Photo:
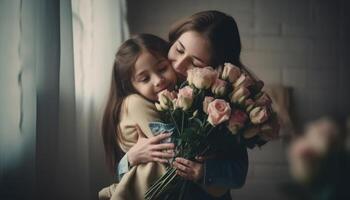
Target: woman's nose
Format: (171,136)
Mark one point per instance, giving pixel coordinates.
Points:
(180,65)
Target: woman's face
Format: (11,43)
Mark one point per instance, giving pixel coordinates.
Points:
(190,50)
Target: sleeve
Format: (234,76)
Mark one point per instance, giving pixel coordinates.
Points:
(123,167)
(230,173)
(142,112)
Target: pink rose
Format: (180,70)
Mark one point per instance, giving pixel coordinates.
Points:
(218,111)
(236,121)
(185,98)
(201,78)
(219,87)
(165,99)
(206,102)
(263,99)
(230,72)
(258,115)
(239,95)
(243,81)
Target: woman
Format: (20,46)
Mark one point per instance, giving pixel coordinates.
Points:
(206,38)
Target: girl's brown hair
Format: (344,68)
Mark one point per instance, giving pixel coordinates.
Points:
(222,33)
(121,87)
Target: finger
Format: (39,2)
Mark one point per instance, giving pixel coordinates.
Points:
(182,167)
(160,160)
(164,146)
(159,138)
(185,175)
(140,132)
(200,158)
(184,161)
(160,154)
(182,174)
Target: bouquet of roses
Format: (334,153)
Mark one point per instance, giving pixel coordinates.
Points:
(208,112)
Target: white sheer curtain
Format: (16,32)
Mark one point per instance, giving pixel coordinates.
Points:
(56,61)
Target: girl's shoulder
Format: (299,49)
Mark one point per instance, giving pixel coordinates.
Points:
(136,102)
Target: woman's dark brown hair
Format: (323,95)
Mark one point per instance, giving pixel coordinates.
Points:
(221,31)
(121,87)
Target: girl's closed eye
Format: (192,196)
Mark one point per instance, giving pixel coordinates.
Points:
(143,79)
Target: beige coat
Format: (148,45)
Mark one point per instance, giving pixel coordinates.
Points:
(135,111)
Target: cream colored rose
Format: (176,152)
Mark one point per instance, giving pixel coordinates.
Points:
(230,72)
(201,78)
(165,99)
(258,115)
(240,95)
(219,87)
(185,98)
(243,81)
(218,111)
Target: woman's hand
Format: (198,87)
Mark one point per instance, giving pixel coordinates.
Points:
(190,170)
(150,150)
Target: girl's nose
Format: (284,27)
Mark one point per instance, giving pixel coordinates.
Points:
(159,80)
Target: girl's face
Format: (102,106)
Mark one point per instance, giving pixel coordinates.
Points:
(152,75)
(190,50)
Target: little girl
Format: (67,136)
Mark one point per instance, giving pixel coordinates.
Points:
(141,70)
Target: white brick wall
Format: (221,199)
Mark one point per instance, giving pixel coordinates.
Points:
(303,44)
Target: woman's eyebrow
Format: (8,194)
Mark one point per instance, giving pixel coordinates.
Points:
(195,57)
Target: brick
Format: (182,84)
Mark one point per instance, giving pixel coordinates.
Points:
(283,44)
(247,43)
(271,10)
(322,102)
(258,59)
(294,77)
(319,78)
(297,30)
(267,28)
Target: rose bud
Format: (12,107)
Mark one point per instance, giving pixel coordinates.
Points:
(219,87)
(236,121)
(165,99)
(185,98)
(206,102)
(240,94)
(218,111)
(251,132)
(230,72)
(258,115)
(249,105)
(263,99)
(244,81)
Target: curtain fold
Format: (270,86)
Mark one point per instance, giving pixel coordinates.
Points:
(56,63)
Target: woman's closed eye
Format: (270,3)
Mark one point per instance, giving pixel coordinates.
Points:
(179,50)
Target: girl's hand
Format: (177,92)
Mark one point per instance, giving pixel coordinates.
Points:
(150,150)
(190,170)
